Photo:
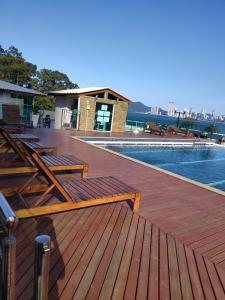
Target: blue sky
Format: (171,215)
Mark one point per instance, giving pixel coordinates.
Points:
(150,51)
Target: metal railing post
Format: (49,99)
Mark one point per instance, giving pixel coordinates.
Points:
(8,267)
(8,221)
(41,267)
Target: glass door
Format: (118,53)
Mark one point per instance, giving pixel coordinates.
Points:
(103,116)
(74,113)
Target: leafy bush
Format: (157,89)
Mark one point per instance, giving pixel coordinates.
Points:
(212,129)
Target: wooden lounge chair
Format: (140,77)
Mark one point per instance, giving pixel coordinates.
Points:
(153,128)
(11,129)
(28,137)
(73,194)
(11,115)
(55,162)
(175,130)
(7,143)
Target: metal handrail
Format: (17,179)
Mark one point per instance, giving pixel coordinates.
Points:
(8,250)
(7,215)
(41,266)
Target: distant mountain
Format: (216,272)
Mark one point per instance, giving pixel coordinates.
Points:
(138,107)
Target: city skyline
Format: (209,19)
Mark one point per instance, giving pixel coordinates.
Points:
(147,50)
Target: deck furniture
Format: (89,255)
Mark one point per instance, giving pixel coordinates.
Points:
(175,130)
(11,129)
(73,194)
(153,128)
(11,115)
(7,143)
(15,136)
(55,162)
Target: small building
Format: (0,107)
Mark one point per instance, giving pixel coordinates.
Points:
(90,109)
(15,94)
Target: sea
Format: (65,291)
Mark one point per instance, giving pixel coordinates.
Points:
(200,124)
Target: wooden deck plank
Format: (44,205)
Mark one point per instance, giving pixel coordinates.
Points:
(142,288)
(218,288)
(120,284)
(73,258)
(97,282)
(85,271)
(59,244)
(110,278)
(193,271)
(164,268)
(175,285)
(205,280)
(184,273)
(132,279)
(153,292)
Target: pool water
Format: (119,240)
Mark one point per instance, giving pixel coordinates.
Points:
(206,165)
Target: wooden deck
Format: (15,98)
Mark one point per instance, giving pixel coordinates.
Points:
(173,249)
(108,252)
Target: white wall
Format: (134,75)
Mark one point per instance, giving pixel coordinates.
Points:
(61,102)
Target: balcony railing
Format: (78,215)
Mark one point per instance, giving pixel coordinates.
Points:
(135,125)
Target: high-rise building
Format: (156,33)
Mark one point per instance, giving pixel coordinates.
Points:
(171,109)
(155,110)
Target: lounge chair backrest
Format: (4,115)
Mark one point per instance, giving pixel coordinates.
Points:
(13,145)
(153,126)
(173,127)
(45,171)
(11,113)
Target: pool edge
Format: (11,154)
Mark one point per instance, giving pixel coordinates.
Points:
(201,185)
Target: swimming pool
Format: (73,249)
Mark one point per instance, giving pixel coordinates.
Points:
(205,164)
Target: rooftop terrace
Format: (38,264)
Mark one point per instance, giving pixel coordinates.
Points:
(174,248)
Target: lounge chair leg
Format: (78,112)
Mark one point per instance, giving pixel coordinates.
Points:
(136,202)
(84,172)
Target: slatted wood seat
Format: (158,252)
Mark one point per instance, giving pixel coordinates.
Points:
(54,162)
(40,147)
(4,145)
(28,137)
(12,129)
(76,193)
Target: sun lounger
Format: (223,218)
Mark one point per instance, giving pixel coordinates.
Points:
(23,136)
(73,194)
(8,144)
(175,130)
(11,129)
(55,162)
(153,128)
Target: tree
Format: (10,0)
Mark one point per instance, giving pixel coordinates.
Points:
(14,68)
(48,80)
(212,129)
(46,103)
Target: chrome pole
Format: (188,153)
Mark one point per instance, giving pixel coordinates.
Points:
(8,267)
(41,267)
